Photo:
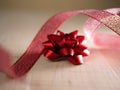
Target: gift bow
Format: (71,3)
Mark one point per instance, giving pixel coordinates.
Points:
(69,46)
(107,17)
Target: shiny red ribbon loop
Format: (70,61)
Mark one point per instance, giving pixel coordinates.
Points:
(65,45)
(62,44)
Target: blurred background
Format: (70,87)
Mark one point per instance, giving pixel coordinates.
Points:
(56,5)
(20,20)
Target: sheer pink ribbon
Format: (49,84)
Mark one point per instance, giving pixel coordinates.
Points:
(107,17)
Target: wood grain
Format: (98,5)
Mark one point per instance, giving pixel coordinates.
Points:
(100,71)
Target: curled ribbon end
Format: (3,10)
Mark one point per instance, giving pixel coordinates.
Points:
(69,46)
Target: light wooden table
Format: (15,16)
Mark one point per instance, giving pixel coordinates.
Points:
(101,70)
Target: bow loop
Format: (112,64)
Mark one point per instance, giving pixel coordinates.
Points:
(67,52)
(76,60)
(80,39)
(73,34)
(48,44)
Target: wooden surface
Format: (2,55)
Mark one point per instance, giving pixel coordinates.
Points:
(101,70)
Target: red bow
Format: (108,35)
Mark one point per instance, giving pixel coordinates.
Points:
(69,46)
